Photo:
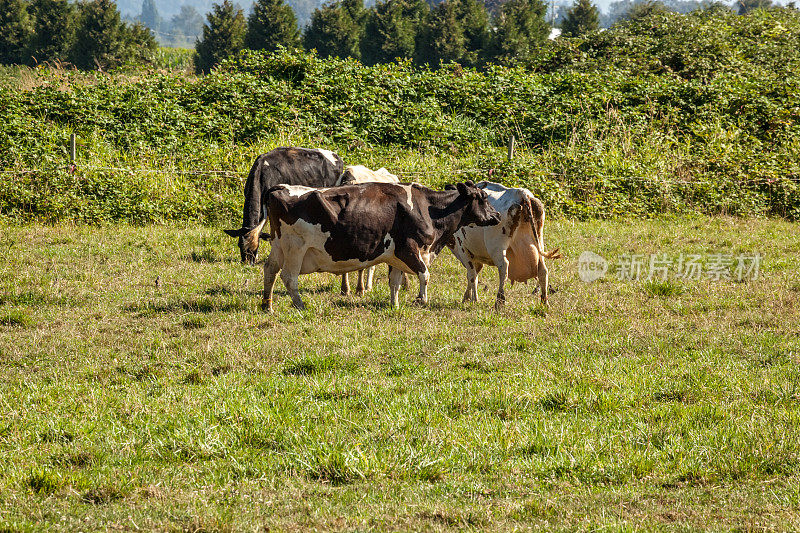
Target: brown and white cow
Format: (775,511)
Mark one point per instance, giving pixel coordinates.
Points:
(515,246)
(285,165)
(353,175)
(348,228)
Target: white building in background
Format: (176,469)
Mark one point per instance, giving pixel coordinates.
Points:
(554,32)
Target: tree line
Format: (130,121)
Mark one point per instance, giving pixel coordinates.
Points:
(462,31)
(88,34)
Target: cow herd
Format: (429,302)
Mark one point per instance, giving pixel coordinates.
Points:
(323,217)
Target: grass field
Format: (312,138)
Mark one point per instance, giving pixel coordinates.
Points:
(141,388)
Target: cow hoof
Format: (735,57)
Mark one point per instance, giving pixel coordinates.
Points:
(420,302)
(499,304)
(266,306)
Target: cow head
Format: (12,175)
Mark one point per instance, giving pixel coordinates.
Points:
(479,211)
(248,241)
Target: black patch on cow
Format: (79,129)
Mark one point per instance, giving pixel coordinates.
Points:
(285,165)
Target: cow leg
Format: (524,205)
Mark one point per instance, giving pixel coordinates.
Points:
(395,278)
(422,297)
(271,269)
(289,275)
(345,285)
(405,281)
(370,274)
(542,275)
(502,270)
(360,284)
(471,294)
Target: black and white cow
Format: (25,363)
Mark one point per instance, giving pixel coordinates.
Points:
(291,166)
(352,227)
(353,175)
(515,246)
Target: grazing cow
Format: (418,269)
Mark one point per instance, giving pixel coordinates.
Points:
(515,246)
(353,175)
(291,166)
(352,227)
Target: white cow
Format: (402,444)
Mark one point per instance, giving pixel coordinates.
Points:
(515,246)
(361,174)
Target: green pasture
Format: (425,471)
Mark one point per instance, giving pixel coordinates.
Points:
(141,388)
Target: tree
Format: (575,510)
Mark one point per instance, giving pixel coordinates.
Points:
(391,30)
(440,38)
(336,29)
(98,35)
(520,30)
(648,8)
(16,31)
(474,21)
(223,36)
(149,15)
(53,29)
(746,6)
(186,26)
(582,18)
(271,24)
(455,30)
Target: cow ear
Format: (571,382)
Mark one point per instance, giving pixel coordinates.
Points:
(462,189)
(236,232)
(449,187)
(469,183)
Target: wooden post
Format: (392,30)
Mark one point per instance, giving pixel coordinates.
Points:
(73,150)
(511,148)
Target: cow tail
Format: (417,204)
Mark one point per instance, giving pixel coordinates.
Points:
(552,254)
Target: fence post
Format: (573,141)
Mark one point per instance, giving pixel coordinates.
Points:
(511,141)
(73,150)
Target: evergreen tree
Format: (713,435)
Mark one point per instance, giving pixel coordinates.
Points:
(271,24)
(138,43)
(53,29)
(474,20)
(186,26)
(646,9)
(98,35)
(150,16)
(16,31)
(746,6)
(520,28)
(391,30)
(455,30)
(223,36)
(582,18)
(336,29)
(440,38)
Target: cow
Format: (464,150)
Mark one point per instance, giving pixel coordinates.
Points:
(515,246)
(347,228)
(360,174)
(285,165)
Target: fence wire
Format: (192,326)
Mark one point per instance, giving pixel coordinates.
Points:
(489,172)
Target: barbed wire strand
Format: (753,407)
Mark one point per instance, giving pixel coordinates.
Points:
(409,174)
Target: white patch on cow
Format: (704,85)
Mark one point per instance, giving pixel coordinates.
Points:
(299,190)
(328,155)
(266,163)
(407,188)
(360,174)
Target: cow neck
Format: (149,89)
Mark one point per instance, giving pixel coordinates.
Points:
(251,214)
(446,211)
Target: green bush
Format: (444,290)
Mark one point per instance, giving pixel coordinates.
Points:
(664,113)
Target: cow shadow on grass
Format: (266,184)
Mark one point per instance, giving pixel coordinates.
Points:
(381,304)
